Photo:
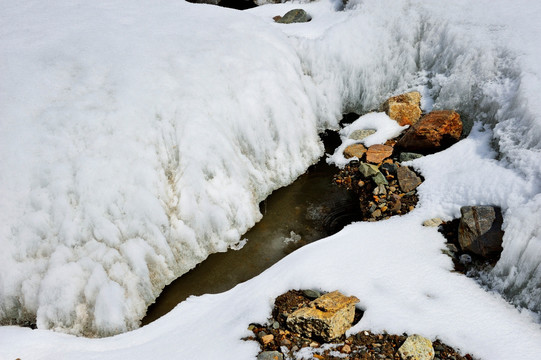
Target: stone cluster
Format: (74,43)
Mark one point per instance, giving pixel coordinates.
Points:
(384,189)
(279,342)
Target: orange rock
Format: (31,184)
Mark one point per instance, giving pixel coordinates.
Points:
(377,153)
(404,109)
(355,150)
(433,132)
(267,339)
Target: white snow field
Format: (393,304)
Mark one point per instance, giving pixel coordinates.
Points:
(137,137)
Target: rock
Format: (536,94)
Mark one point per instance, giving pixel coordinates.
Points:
(433,132)
(311,294)
(377,153)
(379,179)
(390,168)
(361,134)
(407,179)
(394,203)
(294,16)
(355,150)
(435,222)
(270,355)
(407,156)
(327,317)
(480,230)
(376,213)
(380,190)
(346,349)
(416,347)
(368,170)
(266,339)
(404,109)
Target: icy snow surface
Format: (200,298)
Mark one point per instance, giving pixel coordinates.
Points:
(137,137)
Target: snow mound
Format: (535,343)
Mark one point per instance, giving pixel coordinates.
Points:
(131,147)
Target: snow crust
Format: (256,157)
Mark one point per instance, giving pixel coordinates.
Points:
(138,137)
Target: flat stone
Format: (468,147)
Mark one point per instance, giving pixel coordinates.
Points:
(407,156)
(270,355)
(416,347)
(294,16)
(368,170)
(480,230)
(379,179)
(355,150)
(361,134)
(377,153)
(407,179)
(404,109)
(433,132)
(327,317)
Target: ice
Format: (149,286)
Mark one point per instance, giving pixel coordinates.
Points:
(138,137)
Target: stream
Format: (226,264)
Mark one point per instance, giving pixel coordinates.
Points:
(309,209)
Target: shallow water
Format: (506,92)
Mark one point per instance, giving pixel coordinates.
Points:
(309,209)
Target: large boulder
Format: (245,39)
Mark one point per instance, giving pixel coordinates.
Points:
(327,317)
(294,16)
(416,347)
(480,230)
(433,132)
(404,109)
(377,153)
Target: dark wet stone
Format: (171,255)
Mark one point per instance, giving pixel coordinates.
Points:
(294,16)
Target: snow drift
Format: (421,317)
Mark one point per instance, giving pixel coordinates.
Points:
(138,137)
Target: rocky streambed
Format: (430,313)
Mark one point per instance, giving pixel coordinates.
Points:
(306,324)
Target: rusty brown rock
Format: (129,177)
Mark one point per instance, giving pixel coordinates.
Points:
(404,109)
(327,317)
(434,131)
(355,150)
(377,153)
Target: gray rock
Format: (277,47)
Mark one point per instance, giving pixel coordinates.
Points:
(407,179)
(480,230)
(372,171)
(311,294)
(380,179)
(368,170)
(294,16)
(390,168)
(361,134)
(407,156)
(270,355)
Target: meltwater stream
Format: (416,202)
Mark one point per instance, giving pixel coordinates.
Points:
(309,209)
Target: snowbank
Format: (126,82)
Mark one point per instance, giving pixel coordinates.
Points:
(136,138)
(132,146)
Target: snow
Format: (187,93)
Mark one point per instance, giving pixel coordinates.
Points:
(385,127)
(138,137)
